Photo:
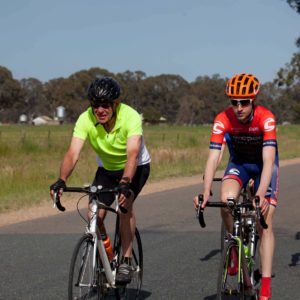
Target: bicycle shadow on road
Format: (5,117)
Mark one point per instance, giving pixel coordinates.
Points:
(212,297)
(210,255)
(295,258)
(143,294)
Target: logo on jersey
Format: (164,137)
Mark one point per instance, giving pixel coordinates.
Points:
(234,171)
(218,127)
(253,129)
(269,124)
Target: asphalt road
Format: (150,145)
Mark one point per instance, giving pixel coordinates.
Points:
(181,259)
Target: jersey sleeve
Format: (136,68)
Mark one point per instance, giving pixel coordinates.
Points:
(218,132)
(134,124)
(80,129)
(268,125)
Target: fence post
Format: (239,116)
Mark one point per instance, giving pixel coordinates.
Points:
(23,138)
(48,138)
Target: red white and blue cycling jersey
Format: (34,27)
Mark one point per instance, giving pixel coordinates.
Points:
(245,143)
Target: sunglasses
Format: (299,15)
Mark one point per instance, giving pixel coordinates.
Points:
(104,105)
(242,103)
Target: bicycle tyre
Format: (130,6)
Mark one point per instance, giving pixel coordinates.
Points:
(223,236)
(229,286)
(254,271)
(84,281)
(132,289)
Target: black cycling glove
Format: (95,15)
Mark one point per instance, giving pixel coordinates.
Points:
(59,184)
(124,188)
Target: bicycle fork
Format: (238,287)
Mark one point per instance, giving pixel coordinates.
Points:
(100,246)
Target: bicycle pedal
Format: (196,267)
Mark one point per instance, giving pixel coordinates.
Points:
(250,292)
(230,292)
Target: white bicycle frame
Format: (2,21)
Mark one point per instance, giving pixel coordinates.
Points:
(92,229)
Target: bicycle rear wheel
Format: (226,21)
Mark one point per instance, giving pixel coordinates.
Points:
(230,282)
(132,289)
(85,281)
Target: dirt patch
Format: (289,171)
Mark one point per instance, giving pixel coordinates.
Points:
(45,209)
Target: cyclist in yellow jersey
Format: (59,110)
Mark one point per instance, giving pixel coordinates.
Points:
(114,131)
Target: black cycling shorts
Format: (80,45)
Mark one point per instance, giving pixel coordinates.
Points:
(111,179)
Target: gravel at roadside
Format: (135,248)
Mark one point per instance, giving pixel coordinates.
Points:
(45,209)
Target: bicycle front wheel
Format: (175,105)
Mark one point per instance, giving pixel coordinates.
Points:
(230,278)
(132,289)
(223,236)
(86,278)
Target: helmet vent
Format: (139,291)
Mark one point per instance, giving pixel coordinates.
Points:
(242,85)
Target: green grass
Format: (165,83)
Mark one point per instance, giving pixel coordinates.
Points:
(30,157)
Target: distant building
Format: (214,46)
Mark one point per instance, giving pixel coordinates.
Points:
(162,120)
(44,120)
(23,119)
(60,114)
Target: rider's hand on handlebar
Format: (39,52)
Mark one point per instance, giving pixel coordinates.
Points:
(124,188)
(205,199)
(196,201)
(263,204)
(125,199)
(57,186)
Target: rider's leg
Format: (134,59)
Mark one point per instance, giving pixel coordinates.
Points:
(267,243)
(267,246)
(100,221)
(128,221)
(267,239)
(229,188)
(127,229)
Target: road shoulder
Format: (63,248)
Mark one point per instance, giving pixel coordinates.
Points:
(45,209)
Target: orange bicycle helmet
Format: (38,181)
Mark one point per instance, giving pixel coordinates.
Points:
(242,86)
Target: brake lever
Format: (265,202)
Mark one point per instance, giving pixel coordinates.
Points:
(200,211)
(259,213)
(57,203)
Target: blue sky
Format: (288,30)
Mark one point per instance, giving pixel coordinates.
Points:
(48,39)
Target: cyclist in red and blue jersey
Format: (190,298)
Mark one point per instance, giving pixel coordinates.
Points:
(250,133)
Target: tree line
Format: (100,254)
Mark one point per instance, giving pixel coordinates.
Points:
(168,96)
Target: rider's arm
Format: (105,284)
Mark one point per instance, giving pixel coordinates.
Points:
(71,157)
(133,150)
(221,153)
(268,154)
(210,170)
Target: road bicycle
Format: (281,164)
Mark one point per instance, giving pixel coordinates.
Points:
(92,274)
(239,274)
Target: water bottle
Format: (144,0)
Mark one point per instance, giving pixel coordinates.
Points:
(247,251)
(107,246)
(249,259)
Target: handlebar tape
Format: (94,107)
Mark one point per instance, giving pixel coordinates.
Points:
(200,211)
(57,203)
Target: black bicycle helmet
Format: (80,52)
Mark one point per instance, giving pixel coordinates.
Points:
(104,89)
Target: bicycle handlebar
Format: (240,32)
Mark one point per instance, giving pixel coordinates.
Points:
(89,190)
(231,204)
